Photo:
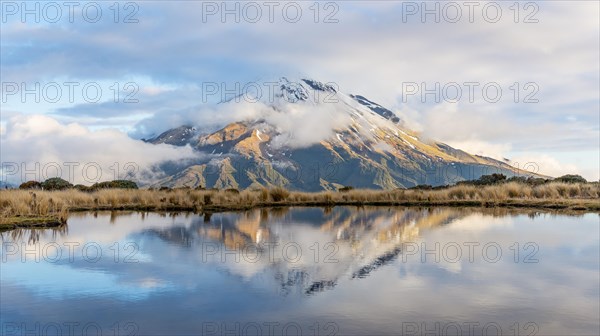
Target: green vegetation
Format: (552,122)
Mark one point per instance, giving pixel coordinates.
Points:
(488,180)
(9,223)
(82,187)
(571,179)
(116,184)
(345,189)
(497,179)
(56,183)
(30,185)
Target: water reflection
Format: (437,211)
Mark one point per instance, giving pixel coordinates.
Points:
(32,235)
(306,251)
(366,269)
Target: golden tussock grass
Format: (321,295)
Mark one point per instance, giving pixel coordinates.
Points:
(15,203)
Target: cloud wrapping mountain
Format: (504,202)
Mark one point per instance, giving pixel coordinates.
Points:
(37,147)
(297,141)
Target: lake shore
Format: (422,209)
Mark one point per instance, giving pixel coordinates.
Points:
(37,208)
(10,223)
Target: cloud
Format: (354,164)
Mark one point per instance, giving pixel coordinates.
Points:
(298,124)
(557,166)
(547,165)
(302,125)
(478,147)
(37,147)
(369,51)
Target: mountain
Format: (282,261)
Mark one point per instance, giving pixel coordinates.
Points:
(309,136)
(179,136)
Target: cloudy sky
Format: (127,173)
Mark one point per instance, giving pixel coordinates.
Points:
(82,82)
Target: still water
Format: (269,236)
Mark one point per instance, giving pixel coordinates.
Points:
(308,271)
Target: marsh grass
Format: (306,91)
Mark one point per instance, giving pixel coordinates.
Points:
(57,204)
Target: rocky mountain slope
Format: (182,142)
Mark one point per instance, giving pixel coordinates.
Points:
(367,146)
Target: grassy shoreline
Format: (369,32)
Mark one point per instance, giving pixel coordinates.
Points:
(30,208)
(10,223)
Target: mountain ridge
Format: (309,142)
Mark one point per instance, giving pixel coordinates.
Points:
(363,145)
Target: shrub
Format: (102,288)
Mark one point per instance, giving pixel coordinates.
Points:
(83,188)
(491,179)
(232,190)
(430,187)
(535,181)
(421,187)
(116,184)
(31,185)
(345,189)
(570,178)
(278,194)
(124,184)
(518,179)
(56,183)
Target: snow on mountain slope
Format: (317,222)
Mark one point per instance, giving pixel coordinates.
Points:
(308,135)
(179,136)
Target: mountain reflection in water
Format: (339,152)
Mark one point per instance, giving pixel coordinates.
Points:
(306,251)
(355,267)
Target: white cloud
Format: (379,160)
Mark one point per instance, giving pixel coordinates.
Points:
(549,165)
(106,154)
(303,125)
(478,147)
(298,124)
(370,51)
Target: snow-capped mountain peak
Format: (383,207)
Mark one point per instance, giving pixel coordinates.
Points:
(305,124)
